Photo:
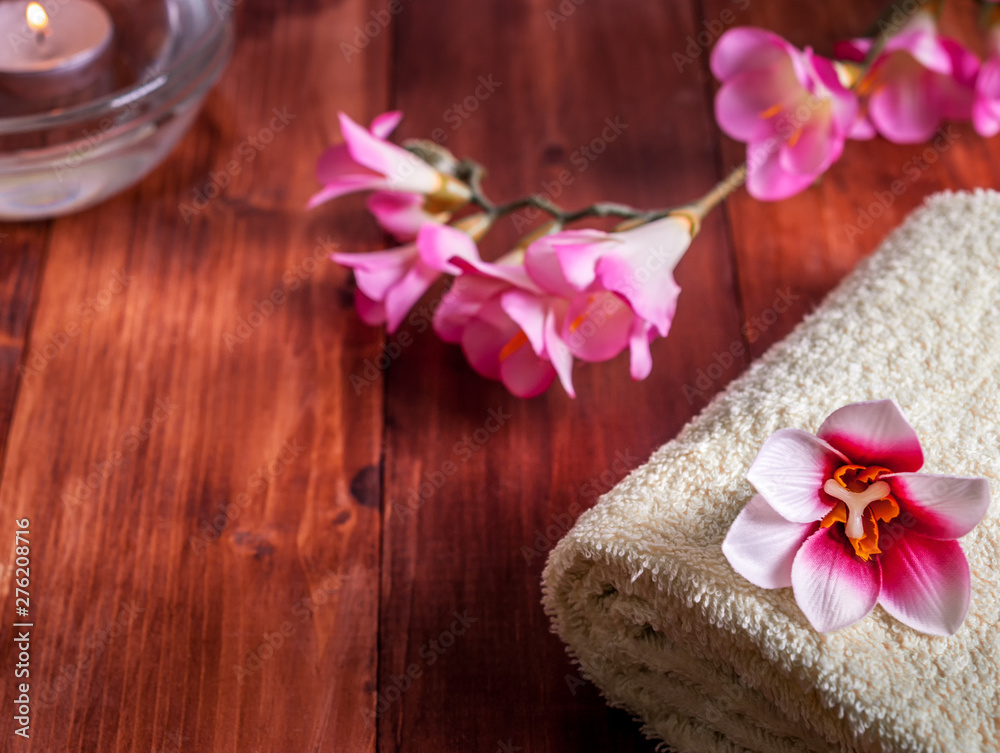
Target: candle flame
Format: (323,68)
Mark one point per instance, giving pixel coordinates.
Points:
(38,19)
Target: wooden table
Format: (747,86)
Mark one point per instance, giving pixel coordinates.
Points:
(216,455)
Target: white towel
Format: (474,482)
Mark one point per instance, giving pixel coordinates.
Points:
(652,611)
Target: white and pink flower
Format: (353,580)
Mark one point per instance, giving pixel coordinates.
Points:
(788,105)
(620,286)
(844,518)
(389,283)
(919,80)
(507,326)
(366,161)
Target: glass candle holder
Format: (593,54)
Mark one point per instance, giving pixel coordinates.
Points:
(63,150)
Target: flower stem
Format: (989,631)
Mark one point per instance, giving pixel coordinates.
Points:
(723,188)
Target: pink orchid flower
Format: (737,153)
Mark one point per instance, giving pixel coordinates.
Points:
(789,106)
(620,286)
(845,520)
(391,282)
(509,329)
(367,162)
(986,109)
(918,81)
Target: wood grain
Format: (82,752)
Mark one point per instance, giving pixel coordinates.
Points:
(258,524)
(215,586)
(473,507)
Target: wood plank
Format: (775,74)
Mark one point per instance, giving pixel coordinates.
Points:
(477,544)
(214,588)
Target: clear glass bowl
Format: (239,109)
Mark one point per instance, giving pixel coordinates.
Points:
(70,154)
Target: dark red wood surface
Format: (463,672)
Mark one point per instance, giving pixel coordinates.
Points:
(238,548)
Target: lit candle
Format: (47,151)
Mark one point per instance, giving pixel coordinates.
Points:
(54,56)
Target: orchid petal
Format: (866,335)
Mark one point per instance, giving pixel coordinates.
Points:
(944,507)
(790,471)
(761,545)
(833,587)
(926,584)
(874,433)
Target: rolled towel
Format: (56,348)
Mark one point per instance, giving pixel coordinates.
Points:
(656,617)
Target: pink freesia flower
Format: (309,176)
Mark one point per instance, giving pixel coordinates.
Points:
(788,106)
(403,214)
(620,286)
(391,282)
(366,162)
(845,520)
(509,329)
(986,109)
(919,80)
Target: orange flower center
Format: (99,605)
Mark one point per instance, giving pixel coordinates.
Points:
(863,502)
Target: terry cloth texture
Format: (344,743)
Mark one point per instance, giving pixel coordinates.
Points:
(652,611)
